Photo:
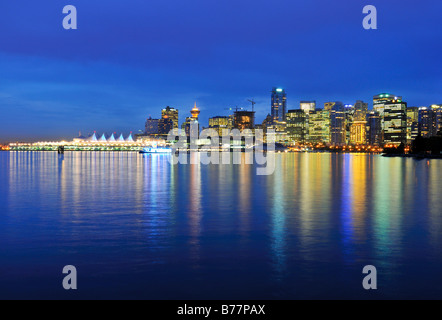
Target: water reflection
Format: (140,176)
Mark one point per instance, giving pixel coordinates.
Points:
(315,221)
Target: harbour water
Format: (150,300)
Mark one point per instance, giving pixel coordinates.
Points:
(136,226)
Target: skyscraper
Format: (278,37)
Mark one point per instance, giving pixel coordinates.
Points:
(337,124)
(172,114)
(374,136)
(165,125)
(244,120)
(308,106)
(412,123)
(151,127)
(395,122)
(430,120)
(279,104)
(379,102)
(220,123)
(319,126)
(296,125)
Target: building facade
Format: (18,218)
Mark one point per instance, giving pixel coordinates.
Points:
(279,104)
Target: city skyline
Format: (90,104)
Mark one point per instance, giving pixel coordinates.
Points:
(119,66)
(224,112)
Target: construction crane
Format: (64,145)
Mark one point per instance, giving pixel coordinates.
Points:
(253,104)
(235,108)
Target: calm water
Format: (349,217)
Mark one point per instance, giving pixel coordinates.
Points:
(138,227)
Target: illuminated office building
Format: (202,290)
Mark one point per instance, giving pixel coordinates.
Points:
(220,123)
(329,105)
(319,127)
(172,114)
(374,127)
(244,120)
(279,104)
(430,120)
(297,125)
(308,106)
(379,102)
(361,106)
(165,125)
(412,123)
(337,124)
(395,122)
(151,127)
(358,127)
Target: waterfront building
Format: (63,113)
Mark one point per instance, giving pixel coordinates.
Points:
(319,127)
(165,125)
(244,120)
(412,123)
(430,120)
(337,124)
(111,138)
(279,104)
(171,113)
(395,122)
(307,106)
(151,127)
(220,123)
(280,130)
(379,102)
(297,125)
(361,106)
(374,127)
(328,106)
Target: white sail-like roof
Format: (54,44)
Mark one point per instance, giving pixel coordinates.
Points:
(112,138)
(92,138)
(103,138)
(130,139)
(121,138)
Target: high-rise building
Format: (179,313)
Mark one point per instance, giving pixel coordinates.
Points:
(297,125)
(337,124)
(172,114)
(319,127)
(328,106)
(358,127)
(279,104)
(374,134)
(361,106)
(165,125)
(151,127)
(379,102)
(220,123)
(244,120)
(412,123)
(430,120)
(395,122)
(308,106)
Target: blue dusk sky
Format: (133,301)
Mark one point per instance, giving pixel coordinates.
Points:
(129,59)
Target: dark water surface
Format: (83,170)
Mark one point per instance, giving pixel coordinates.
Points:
(138,227)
